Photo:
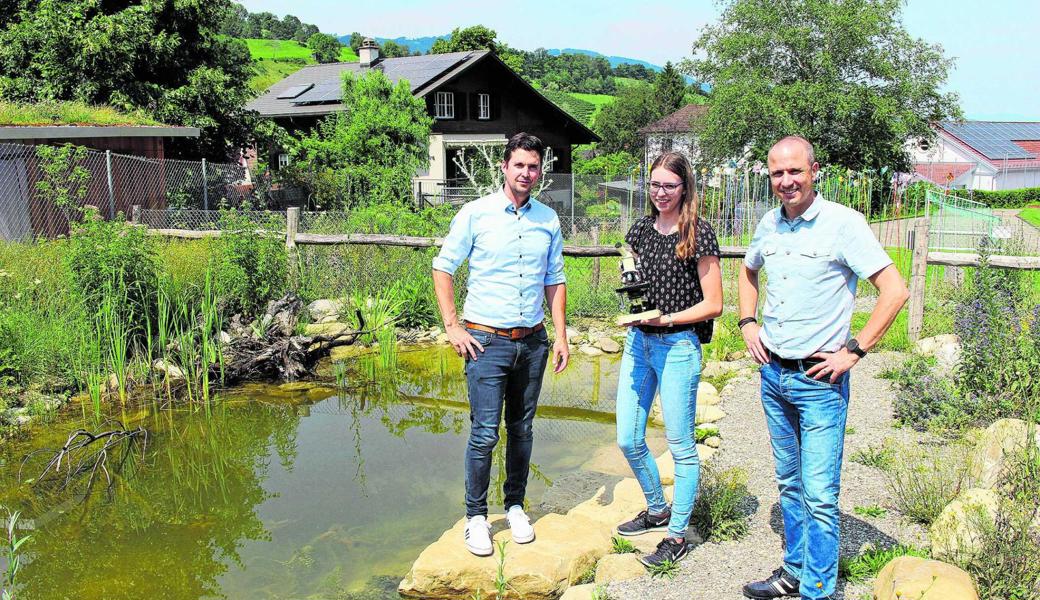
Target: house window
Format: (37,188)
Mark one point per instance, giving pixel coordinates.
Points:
(666,144)
(484,106)
(444,107)
(283,161)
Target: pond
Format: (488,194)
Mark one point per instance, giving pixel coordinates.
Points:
(285,492)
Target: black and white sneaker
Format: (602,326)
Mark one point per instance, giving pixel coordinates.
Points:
(668,550)
(645,522)
(778,585)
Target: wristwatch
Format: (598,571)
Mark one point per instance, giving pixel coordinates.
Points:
(853,347)
(668,319)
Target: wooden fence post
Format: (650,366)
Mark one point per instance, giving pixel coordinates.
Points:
(292,225)
(135,215)
(918,278)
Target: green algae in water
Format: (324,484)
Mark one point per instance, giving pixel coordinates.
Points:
(290,492)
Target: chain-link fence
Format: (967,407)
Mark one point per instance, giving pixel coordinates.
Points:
(41,189)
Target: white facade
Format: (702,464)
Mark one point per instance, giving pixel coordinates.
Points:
(982,174)
(659,143)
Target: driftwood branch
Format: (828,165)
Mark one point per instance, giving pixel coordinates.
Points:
(86,454)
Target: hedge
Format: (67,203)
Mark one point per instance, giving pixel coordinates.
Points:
(1008,198)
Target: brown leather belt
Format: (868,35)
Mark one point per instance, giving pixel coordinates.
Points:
(515,333)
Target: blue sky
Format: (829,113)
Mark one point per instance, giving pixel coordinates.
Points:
(995,44)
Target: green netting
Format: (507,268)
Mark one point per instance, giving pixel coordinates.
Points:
(958,224)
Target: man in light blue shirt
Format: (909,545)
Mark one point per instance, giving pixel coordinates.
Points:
(814,252)
(515,250)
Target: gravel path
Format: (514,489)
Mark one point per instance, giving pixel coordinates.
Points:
(717,571)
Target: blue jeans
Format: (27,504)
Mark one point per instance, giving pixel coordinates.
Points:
(508,373)
(806,421)
(671,363)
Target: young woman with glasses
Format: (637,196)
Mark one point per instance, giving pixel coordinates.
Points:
(679,256)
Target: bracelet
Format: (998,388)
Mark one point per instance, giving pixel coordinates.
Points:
(671,320)
(741,323)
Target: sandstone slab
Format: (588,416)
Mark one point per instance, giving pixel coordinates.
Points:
(999,443)
(619,567)
(608,345)
(959,529)
(909,577)
(589,350)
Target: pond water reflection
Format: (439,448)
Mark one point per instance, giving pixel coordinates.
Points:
(288,492)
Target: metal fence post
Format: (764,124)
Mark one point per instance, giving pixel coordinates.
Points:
(111,190)
(573,227)
(205,187)
(135,214)
(918,278)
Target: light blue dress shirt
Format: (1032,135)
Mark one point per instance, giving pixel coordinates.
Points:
(512,256)
(812,263)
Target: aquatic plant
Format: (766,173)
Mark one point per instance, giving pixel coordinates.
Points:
(12,545)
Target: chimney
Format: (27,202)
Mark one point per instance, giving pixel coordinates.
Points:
(368,53)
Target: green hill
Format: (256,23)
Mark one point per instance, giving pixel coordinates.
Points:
(277,59)
(582,107)
(288,50)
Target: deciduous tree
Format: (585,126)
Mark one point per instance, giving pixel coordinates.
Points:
(370,151)
(161,56)
(324,47)
(844,74)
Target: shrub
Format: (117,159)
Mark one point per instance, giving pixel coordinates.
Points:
(251,267)
(1007,198)
(924,479)
(870,562)
(113,256)
(718,514)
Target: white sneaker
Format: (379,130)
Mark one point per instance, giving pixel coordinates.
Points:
(519,524)
(478,536)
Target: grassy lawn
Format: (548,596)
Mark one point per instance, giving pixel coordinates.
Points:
(1031,215)
(69,113)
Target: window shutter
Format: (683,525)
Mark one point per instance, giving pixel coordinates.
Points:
(474,106)
(430,108)
(461,106)
(496,107)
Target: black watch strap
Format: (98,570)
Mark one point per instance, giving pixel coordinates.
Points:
(853,346)
(741,323)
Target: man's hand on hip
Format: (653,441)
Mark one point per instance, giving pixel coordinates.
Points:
(561,355)
(834,364)
(754,343)
(463,342)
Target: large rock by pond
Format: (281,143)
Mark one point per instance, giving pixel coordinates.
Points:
(929,346)
(579,592)
(619,567)
(326,310)
(958,531)
(608,345)
(1000,443)
(914,578)
(565,547)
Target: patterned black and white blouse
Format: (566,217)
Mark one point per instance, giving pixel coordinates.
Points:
(674,283)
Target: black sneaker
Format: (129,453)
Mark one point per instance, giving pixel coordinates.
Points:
(778,585)
(645,522)
(667,550)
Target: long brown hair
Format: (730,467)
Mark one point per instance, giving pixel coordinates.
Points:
(677,164)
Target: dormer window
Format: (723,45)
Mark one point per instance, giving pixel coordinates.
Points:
(484,106)
(444,105)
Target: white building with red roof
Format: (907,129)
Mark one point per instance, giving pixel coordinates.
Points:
(981,155)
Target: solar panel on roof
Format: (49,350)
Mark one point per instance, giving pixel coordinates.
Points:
(996,140)
(295,91)
(325,91)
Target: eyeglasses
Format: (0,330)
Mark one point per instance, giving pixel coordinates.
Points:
(656,186)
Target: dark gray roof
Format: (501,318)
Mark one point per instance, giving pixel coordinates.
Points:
(995,139)
(421,72)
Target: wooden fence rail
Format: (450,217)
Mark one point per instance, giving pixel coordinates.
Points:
(918,270)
